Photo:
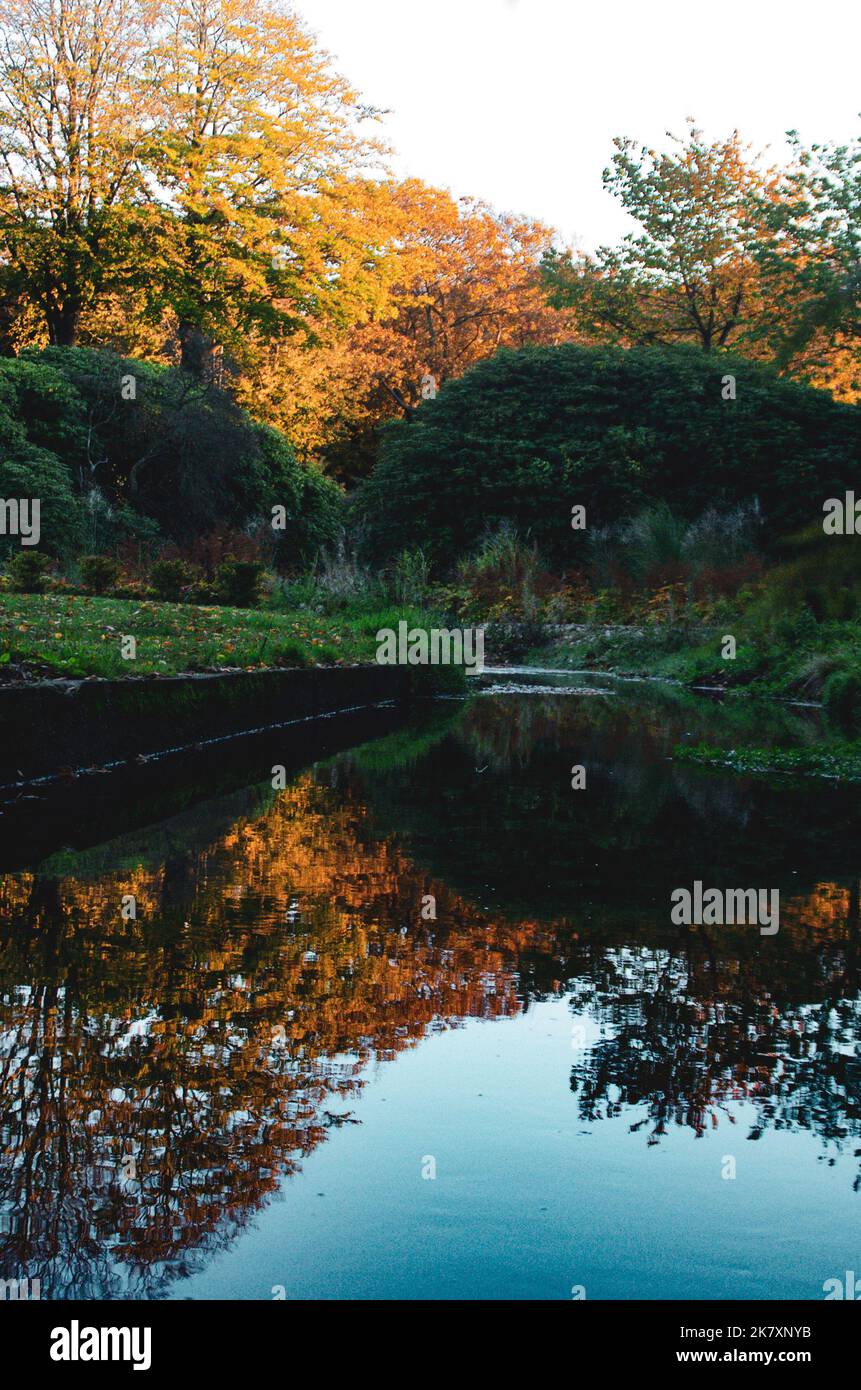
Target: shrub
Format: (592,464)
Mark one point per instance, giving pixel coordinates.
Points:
(606,607)
(341,578)
(201,592)
(168,578)
(796,628)
(313,504)
(28,570)
(238,583)
(115,526)
(289,594)
(185,461)
(717,540)
(567,604)
(509,642)
(99,573)
(33,473)
(841,696)
(715,553)
(225,543)
(526,434)
(652,543)
(505,577)
(409,576)
(136,589)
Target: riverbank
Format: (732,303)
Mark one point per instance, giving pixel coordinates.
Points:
(796,664)
(691,655)
(795,671)
(59,728)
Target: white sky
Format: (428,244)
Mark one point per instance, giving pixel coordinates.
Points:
(517,101)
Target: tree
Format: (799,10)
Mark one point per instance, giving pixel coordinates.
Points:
(254,155)
(691,273)
(460,281)
(194,166)
(814,263)
(73,112)
(181,453)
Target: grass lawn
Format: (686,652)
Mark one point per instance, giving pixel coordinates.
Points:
(64,635)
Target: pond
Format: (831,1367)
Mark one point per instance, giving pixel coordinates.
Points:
(419,1024)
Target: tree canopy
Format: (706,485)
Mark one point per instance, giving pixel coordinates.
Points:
(191,186)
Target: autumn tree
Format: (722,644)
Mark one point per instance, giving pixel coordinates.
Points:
(461,282)
(197,164)
(813,262)
(73,114)
(257,146)
(690,272)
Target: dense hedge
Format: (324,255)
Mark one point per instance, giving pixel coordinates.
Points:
(119,448)
(528,434)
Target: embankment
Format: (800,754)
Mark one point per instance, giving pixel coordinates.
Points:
(53,727)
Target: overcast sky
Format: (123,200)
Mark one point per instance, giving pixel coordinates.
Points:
(517,101)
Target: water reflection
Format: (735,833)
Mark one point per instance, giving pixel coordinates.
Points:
(160,1076)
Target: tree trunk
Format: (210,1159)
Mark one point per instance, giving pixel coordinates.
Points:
(192,346)
(199,355)
(63,321)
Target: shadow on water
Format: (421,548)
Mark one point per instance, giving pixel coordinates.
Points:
(161,1074)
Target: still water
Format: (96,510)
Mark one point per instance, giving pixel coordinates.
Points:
(419,1025)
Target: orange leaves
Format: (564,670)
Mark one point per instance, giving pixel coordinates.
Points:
(458,282)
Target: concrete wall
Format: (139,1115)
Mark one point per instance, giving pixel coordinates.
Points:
(51,726)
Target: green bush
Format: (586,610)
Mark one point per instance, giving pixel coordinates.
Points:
(33,473)
(201,592)
(288,595)
(796,628)
(238,583)
(182,461)
(527,434)
(169,578)
(312,503)
(99,573)
(841,696)
(606,607)
(28,571)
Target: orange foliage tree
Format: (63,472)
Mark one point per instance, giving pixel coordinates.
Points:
(461,281)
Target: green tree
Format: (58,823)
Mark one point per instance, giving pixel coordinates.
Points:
(690,272)
(179,453)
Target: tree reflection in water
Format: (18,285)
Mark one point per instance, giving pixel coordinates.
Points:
(277,952)
(686,1033)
